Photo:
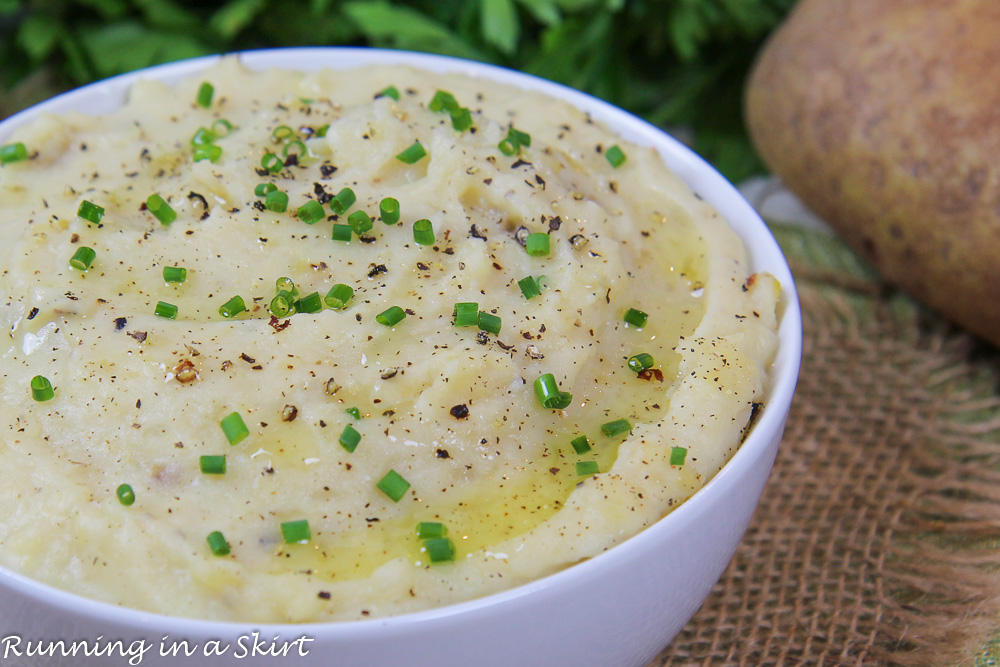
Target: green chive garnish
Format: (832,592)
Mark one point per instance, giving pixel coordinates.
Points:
(286,284)
(587,468)
(167,310)
(343,201)
(393,485)
(283,304)
(222,127)
(537,244)
(461,119)
(388,210)
(203,137)
(640,362)
(209,152)
(522,138)
(282,132)
(391,316)
(13,153)
(322,130)
(466,314)
(427,530)
(234,428)
(160,209)
(423,232)
(41,389)
(677,455)
(311,303)
(548,393)
(616,428)
(342,233)
(90,212)
(354,412)
(174,274)
(339,296)
(580,444)
(440,550)
(311,212)
(636,318)
(271,162)
(82,258)
(276,201)
(205,93)
(615,156)
(126,496)
(263,188)
(296,532)
(213,465)
(443,101)
(489,322)
(217,543)
(360,222)
(388,91)
(413,154)
(350,438)
(529,287)
(294,144)
(233,307)
(508,147)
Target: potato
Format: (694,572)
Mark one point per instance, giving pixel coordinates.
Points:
(884,117)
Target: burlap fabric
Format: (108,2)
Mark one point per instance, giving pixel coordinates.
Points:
(873,543)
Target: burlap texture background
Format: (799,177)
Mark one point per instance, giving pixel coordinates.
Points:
(874,540)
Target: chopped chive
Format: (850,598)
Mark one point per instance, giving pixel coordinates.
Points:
(82,258)
(209,152)
(427,530)
(443,101)
(276,201)
(283,304)
(294,144)
(322,130)
(587,468)
(529,287)
(489,322)
(677,455)
(537,244)
(205,93)
(311,212)
(388,91)
(580,444)
(360,222)
(41,389)
(342,233)
(413,154)
(391,316)
(440,550)
(217,543)
(466,314)
(126,496)
(13,153)
(461,119)
(167,310)
(286,284)
(354,412)
(233,307)
(388,210)
(350,438)
(522,138)
(263,188)
(339,296)
(549,395)
(311,303)
(271,162)
(615,156)
(393,485)
(222,127)
(507,147)
(282,132)
(343,201)
(640,362)
(160,209)
(543,283)
(616,428)
(296,532)
(423,232)
(203,137)
(90,212)
(174,274)
(213,465)
(234,428)
(635,318)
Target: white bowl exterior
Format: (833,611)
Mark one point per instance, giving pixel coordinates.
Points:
(619,608)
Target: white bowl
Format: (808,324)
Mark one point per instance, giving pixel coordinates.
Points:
(619,608)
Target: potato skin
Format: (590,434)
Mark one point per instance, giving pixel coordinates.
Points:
(884,117)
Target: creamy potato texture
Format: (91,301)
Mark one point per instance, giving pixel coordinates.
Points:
(138,397)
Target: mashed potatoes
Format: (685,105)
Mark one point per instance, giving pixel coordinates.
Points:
(359,427)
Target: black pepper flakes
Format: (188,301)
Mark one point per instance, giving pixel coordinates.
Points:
(377,269)
(442,454)
(460,412)
(34,312)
